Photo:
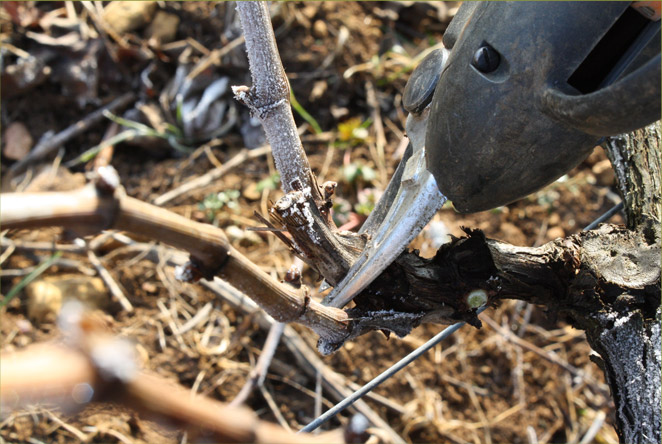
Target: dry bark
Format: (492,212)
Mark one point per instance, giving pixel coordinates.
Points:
(606,281)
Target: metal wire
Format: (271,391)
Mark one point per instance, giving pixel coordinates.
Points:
(342,405)
(606,216)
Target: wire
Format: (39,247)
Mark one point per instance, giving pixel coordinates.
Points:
(606,216)
(342,405)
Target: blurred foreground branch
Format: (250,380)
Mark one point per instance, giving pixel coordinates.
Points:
(95,366)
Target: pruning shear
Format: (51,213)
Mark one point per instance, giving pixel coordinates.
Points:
(520,95)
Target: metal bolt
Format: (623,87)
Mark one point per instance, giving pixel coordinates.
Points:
(423,81)
(486,59)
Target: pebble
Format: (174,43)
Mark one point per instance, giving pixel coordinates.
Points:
(24,326)
(149,287)
(554,219)
(511,233)
(128,16)
(555,233)
(163,28)
(319,29)
(251,192)
(604,173)
(46,296)
(16,141)
(62,179)
(244,237)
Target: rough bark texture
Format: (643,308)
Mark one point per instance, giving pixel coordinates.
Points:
(606,281)
(636,161)
(627,336)
(269,97)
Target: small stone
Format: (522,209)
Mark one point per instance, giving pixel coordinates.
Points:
(554,219)
(319,29)
(338,112)
(243,237)
(149,287)
(46,296)
(318,90)
(62,179)
(16,141)
(604,173)
(163,28)
(309,10)
(555,233)
(251,192)
(511,233)
(24,326)
(128,16)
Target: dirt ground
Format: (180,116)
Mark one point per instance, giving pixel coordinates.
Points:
(348,64)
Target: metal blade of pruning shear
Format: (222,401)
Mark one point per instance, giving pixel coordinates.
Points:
(415,203)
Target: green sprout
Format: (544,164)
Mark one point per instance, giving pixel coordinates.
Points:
(34,274)
(305,115)
(214,202)
(270,183)
(355,172)
(341,210)
(172,134)
(367,199)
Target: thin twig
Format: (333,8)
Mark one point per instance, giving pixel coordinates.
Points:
(595,427)
(200,316)
(380,139)
(259,373)
(307,359)
(212,175)
(214,57)
(105,155)
(82,437)
(384,376)
(549,356)
(274,408)
(110,282)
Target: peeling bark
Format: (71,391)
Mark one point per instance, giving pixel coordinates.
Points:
(304,210)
